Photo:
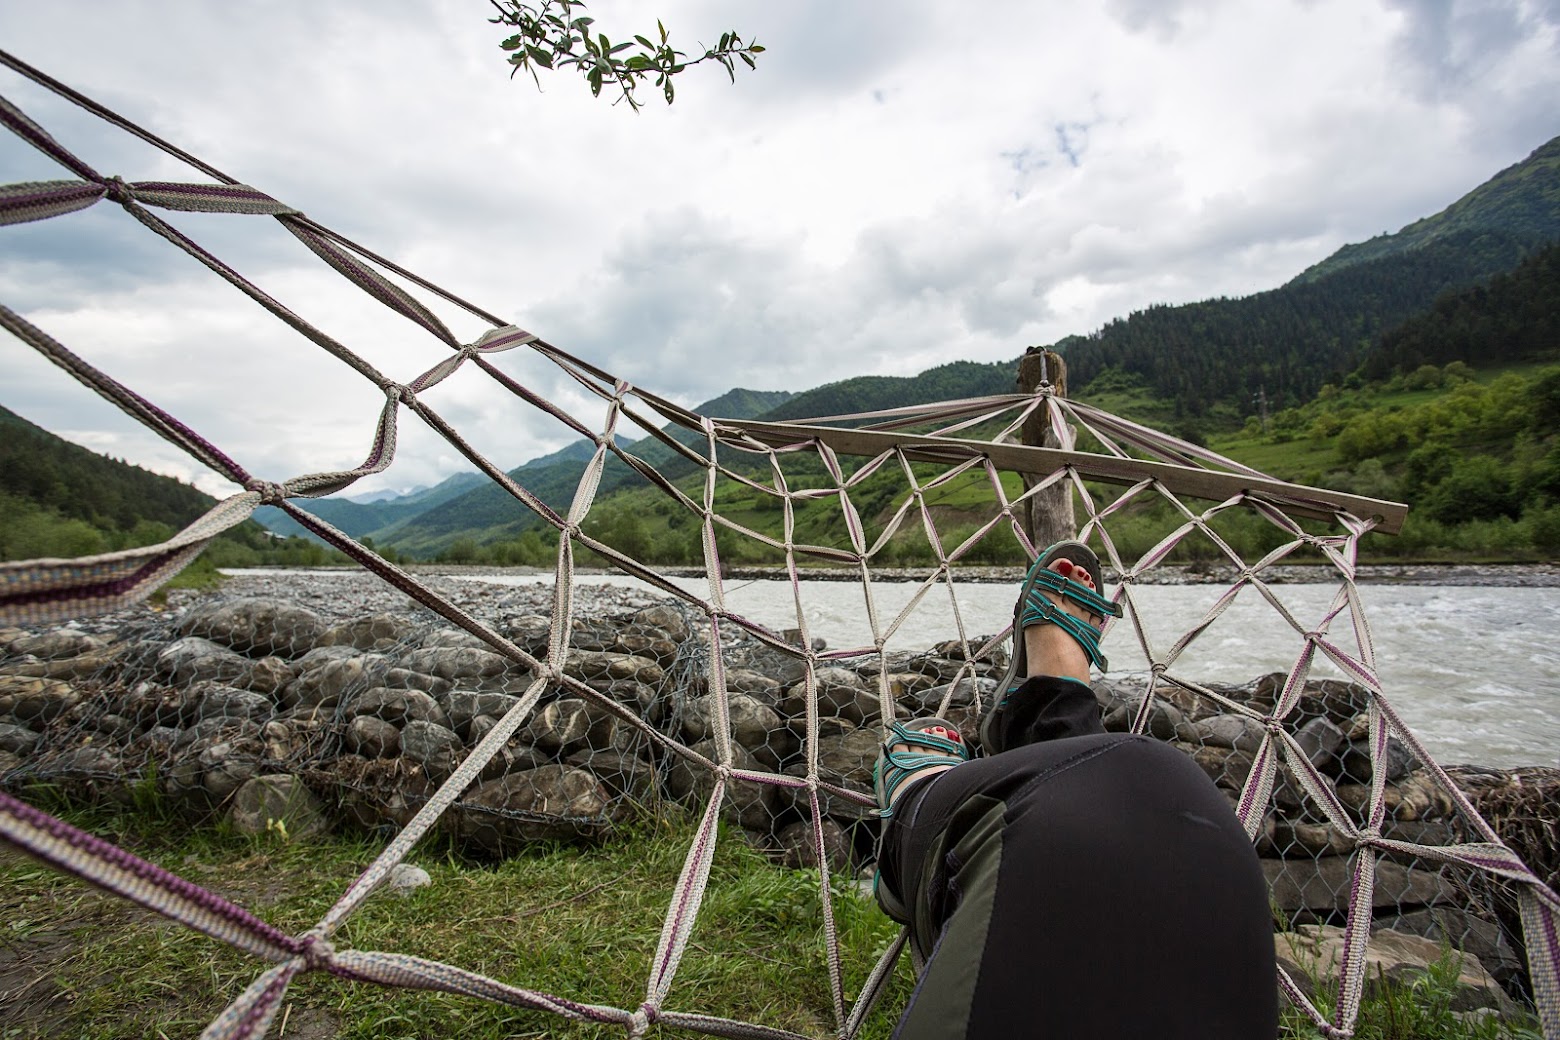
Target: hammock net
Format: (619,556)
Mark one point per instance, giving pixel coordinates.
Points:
(561,712)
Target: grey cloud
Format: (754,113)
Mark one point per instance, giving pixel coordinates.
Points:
(1158,18)
(1448,42)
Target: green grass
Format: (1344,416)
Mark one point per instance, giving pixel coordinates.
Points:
(578,922)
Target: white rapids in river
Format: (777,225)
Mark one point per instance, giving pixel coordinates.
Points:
(1475,672)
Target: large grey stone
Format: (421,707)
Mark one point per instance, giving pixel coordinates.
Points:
(218,701)
(1226,767)
(227,765)
(372,738)
(1164,718)
(751,723)
(799,846)
(748,803)
(18,740)
(656,647)
(646,700)
(463,706)
(851,756)
(1240,732)
(1322,886)
(1358,768)
(397,706)
(35,700)
(841,693)
(269,675)
(437,749)
(60,643)
(324,679)
(1460,930)
(1298,840)
(966,693)
(460,662)
(197,659)
(255,626)
(278,803)
(1415,797)
(561,726)
(1321,740)
(1316,951)
(369,632)
(591,664)
(548,803)
(667,619)
(621,772)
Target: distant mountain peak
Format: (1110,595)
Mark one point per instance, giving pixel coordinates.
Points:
(1522,201)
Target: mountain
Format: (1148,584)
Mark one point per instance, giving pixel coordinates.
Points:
(950,382)
(1515,317)
(358,518)
(1286,342)
(79,484)
(468,504)
(60,499)
(1521,202)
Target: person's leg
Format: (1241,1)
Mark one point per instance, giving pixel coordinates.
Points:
(1080,883)
(1096,886)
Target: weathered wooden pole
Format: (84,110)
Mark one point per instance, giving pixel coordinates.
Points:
(1048,516)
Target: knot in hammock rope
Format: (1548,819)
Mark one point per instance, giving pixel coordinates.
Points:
(641,1020)
(317,953)
(116,189)
(397,391)
(270,492)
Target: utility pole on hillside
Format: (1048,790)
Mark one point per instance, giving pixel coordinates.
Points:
(1048,516)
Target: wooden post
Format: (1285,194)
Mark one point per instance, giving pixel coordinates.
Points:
(1048,516)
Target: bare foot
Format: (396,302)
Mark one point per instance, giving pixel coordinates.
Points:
(1048,650)
(925,771)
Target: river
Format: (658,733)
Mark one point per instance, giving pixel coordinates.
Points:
(1474,671)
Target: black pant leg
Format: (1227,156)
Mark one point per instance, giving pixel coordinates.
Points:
(1089,886)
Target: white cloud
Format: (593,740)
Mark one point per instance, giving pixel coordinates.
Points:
(896,187)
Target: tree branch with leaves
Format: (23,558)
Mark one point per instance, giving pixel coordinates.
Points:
(555,34)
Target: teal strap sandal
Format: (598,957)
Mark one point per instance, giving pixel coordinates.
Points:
(1033,608)
(895,769)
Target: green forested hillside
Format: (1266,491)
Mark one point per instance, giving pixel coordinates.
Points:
(59,499)
(1219,354)
(950,382)
(1285,342)
(1521,201)
(1515,317)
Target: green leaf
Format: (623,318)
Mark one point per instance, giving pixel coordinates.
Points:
(756,49)
(540,56)
(749,59)
(646,44)
(662,28)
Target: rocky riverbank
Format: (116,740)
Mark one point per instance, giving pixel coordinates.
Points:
(326,699)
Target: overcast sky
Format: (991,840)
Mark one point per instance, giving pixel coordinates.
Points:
(899,185)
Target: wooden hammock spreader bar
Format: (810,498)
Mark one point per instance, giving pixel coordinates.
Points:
(1208,484)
